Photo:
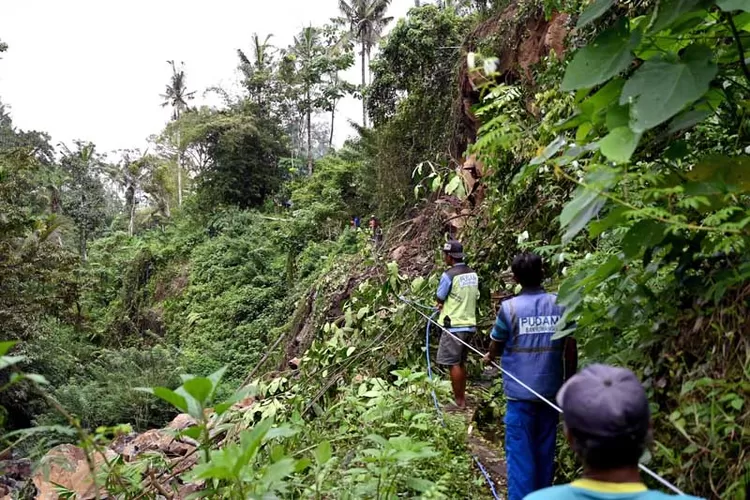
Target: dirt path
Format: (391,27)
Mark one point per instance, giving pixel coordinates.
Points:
(483,439)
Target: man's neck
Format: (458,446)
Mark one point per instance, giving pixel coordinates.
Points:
(621,475)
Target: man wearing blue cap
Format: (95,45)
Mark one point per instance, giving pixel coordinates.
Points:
(608,425)
(523,335)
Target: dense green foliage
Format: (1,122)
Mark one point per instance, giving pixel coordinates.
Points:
(623,162)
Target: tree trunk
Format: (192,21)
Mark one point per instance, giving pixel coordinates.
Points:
(131,202)
(333,117)
(84,255)
(83,231)
(309,135)
(179,168)
(364,84)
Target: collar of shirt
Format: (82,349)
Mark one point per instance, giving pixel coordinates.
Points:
(604,487)
(535,290)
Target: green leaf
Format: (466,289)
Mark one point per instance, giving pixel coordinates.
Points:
(453,185)
(241,394)
(199,388)
(7,346)
(37,379)
(614,218)
(436,183)
(579,212)
(598,104)
(619,145)
(550,151)
(420,485)
(279,432)
(323,453)
(586,202)
(250,442)
(192,432)
(362,312)
(215,379)
(594,12)
(617,116)
(6,361)
(669,11)
(644,234)
(660,89)
(167,395)
(720,174)
(688,119)
(607,56)
(278,470)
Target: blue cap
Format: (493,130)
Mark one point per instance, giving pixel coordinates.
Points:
(605,401)
(454,248)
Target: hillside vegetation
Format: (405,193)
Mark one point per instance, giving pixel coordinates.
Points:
(612,138)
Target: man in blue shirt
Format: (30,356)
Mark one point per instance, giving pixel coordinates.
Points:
(608,425)
(457,296)
(523,334)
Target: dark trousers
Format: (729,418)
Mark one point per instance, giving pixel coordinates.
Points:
(530,430)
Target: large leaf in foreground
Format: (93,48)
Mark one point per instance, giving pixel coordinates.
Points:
(730,5)
(594,12)
(660,89)
(607,56)
(619,145)
(671,10)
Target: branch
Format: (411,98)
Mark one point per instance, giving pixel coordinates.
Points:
(740,48)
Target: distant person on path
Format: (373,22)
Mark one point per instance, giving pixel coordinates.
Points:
(608,425)
(523,336)
(457,297)
(377,231)
(356,222)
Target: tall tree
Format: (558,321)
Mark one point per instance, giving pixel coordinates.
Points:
(177,96)
(339,58)
(83,195)
(366,19)
(129,174)
(310,57)
(258,70)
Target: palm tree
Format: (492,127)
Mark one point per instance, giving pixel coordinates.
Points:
(257,71)
(366,20)
(177,96)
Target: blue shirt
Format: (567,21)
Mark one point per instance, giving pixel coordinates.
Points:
(588,489)
(444,289)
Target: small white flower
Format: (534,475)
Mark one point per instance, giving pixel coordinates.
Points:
(471,60)
(524,236)
(490,65)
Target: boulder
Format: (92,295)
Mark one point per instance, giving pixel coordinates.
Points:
(157,440)
(182,422)
(65,465)
(398,253)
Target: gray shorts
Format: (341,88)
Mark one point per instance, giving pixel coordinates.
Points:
(451,352)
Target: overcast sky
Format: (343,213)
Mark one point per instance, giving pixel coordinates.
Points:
(94,69)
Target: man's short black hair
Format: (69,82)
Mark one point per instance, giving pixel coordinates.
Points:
(527,269)
(610,453)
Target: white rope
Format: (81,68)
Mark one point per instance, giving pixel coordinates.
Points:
(550,403)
